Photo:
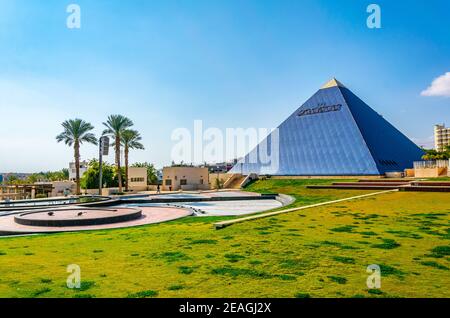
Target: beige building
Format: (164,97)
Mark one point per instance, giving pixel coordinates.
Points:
(441,137)
(185,178)
(431,169)
(25,191)
(60,188)
(137,179)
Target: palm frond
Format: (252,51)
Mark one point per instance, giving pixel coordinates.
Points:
(76,130)
(117,124)
(89,138)
(131,138)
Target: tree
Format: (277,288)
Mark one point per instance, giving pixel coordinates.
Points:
(130,139)
(447,151)
(60,175)
(432,154)
(65,173)
(35,177)
(13,180)
(76,132)
(90,179)
(152,176)
(115,127)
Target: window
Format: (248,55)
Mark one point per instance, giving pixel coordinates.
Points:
(168,182)
(388,163)
(201,181)
(183,182)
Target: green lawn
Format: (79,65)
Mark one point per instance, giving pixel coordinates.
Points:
(303,196)
(321,252)
(439,179)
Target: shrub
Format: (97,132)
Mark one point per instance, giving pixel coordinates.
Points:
(338,279)
(345,228)
(345,260)
(387,244)
(302,295)
(185,270)
(144,294)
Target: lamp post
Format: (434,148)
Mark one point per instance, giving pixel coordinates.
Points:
(103,150)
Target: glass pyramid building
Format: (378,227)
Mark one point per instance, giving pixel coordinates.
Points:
(334,133)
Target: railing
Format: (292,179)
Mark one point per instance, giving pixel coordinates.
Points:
(431,164)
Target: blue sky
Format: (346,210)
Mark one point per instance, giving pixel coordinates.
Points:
(229,63)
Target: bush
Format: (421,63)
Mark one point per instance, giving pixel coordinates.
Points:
(90,178)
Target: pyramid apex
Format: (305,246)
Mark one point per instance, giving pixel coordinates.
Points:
(332,83)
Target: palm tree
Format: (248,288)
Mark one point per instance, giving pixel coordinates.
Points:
(116,125)
(130,140)
(76,131)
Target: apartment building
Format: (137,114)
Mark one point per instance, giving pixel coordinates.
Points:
(441,137)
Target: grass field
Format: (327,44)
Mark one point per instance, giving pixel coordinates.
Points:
(321,252)
(439,179)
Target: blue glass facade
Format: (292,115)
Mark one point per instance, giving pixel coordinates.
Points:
(333,133)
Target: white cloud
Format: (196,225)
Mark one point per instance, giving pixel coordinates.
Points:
(439,87)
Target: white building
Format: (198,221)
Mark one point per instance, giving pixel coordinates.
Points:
(72,170)
(441,137)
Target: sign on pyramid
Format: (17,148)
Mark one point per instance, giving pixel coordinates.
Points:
(334,133)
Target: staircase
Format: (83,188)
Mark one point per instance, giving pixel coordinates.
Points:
(236,182)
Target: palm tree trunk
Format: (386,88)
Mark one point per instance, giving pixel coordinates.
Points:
(77,165)
(126,167)
(119,172)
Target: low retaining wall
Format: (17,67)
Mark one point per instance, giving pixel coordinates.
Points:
(285,199)
(325,177)
(426,189)
(353,187)
(175,200)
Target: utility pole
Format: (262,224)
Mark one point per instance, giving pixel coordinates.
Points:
(103,150)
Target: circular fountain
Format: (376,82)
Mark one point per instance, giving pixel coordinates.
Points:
(36,204)
(77,217)
(73,219)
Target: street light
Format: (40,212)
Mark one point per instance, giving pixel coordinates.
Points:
(103,150)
